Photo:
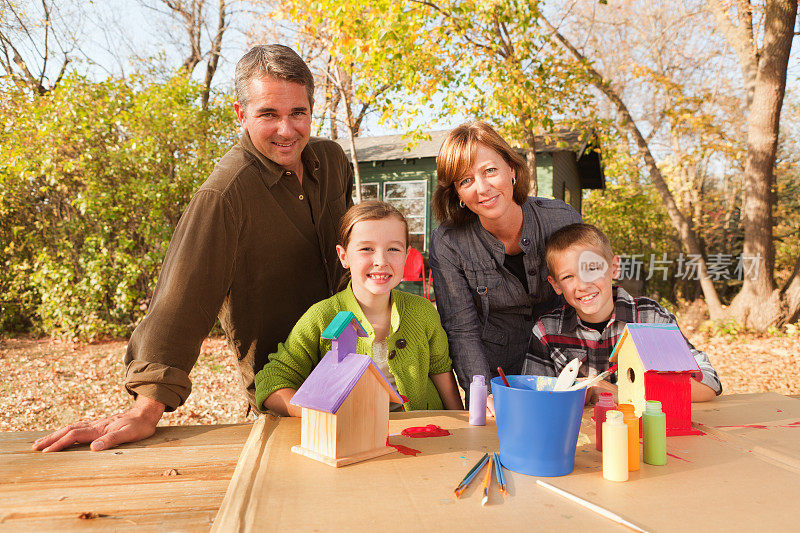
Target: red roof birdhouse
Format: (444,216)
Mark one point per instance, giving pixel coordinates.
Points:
(655,363)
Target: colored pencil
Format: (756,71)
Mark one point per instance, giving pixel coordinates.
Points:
(503,376)
(501,478)
(589,505)
(470,475)
(487,482)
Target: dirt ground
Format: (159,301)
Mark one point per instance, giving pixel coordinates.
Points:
(48,383)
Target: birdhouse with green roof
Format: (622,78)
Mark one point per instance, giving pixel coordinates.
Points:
(344,401)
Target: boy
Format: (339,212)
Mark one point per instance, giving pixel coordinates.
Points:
(582,265)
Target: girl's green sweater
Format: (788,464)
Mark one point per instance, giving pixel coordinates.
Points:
(417,347)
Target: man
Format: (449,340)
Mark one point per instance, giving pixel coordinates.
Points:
(255,246)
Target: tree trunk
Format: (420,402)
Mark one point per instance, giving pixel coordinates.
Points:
(530,159)
(758,304)
(740,37)
(354,158)
(216,49)
(352,134)
(682,225)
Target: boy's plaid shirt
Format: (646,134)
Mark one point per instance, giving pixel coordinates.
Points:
(559,337)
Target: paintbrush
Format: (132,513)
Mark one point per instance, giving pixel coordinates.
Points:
(589,505)
(501,479)
(567,376)
(487,482)
(591,381)
(470,475)
(503,377)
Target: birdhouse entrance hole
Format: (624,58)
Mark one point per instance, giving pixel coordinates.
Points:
(631,375)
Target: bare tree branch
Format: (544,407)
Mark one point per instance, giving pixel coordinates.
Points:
(366,105)
(740,37)
(192,15)
(25,72)
(216,48)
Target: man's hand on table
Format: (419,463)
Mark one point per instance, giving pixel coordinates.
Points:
(137,423)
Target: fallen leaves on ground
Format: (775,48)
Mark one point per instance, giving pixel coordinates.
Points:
(49,383)
(747,362)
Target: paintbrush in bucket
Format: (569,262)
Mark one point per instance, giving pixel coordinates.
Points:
(591,381)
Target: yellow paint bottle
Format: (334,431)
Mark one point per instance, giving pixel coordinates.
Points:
(632,422)
(615,447)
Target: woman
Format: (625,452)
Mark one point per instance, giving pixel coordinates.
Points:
(487,256)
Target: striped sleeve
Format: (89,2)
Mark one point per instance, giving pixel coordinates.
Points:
(537,359)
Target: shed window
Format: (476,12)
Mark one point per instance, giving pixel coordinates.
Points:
(409,197)
(369,191)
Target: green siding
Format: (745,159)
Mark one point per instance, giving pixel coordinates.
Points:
(567,179)
(544,174)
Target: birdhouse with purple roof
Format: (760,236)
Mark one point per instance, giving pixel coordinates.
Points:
(344,401)
(655,363)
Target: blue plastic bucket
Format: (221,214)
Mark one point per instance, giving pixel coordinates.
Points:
(538,429)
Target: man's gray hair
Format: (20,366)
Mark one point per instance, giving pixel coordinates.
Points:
(273,60)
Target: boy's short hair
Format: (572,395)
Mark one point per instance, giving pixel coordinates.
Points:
(576,234)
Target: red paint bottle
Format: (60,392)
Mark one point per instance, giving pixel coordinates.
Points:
(603,405)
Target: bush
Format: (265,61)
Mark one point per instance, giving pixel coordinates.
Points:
(93,179)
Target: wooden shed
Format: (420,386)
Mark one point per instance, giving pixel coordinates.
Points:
(566,165)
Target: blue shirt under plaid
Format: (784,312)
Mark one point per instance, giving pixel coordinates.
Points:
(560,336)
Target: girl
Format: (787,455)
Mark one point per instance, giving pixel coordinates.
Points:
(406,339)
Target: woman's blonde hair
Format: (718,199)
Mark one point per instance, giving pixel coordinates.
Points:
(455,159)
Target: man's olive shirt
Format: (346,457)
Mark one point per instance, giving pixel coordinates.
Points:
(253,247)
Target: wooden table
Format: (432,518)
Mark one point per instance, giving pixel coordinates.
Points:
(732,478)
(173,481)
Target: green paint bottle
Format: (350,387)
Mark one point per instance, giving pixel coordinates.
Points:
(654,433)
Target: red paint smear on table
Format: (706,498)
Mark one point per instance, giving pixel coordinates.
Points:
(421,432)
(405,450)
(676,457)
(792,425)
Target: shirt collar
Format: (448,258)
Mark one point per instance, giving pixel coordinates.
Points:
(624,306)
(569,318)
(273,171)
(526,243)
